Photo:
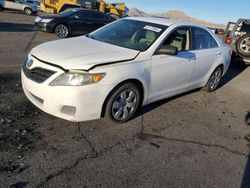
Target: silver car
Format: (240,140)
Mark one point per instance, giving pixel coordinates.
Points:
(19,5)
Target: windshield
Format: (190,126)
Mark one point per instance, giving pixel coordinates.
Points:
(33,2)
(130,34)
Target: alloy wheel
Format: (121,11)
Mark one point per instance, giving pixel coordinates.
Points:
(124,105)
(245,45)
(28,11)
(62,31)
(215,79)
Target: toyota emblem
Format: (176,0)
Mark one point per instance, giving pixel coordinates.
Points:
(29,63)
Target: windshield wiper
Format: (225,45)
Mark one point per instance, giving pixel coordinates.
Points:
(89,36)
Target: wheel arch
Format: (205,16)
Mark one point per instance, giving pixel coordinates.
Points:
(25,7)
(136,81)
(212,70)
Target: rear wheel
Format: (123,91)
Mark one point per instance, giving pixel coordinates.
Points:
(28,11)
(62,31)
(214,80)
(243,46)
(123,103)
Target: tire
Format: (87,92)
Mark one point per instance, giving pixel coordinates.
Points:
(214,80)
(28,11)
(123,103)
(243,46)
(1,8)
(62,31)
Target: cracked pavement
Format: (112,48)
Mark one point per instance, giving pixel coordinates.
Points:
(196,139)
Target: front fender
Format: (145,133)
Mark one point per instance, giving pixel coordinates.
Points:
(116,74)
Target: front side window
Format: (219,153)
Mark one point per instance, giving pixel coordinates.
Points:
(180,38)
(68,12)
(202,39)
(244,27)
(97,16)
(132,34)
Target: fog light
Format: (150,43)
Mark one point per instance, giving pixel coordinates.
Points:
(69,110)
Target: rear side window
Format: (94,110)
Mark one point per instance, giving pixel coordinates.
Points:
(246,28)
(84,15)
(242,28)
(202,39)
(107,18)
(97,16)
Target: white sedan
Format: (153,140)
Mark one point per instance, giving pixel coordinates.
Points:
(127,64)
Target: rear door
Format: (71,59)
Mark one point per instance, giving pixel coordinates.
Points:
(207,52)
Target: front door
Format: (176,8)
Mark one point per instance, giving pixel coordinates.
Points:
(81,23)
(171,74)
(9,4)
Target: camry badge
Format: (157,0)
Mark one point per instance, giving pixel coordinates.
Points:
(29,63)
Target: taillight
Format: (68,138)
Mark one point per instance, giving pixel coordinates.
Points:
(228,40)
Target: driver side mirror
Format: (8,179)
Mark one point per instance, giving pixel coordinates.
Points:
(167,50)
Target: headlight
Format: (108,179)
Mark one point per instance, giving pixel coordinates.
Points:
(46,20)
(38,19)
(77,79)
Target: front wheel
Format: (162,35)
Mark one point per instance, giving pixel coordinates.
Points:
(214,80)
(123,103)
(62,31)
(28,11)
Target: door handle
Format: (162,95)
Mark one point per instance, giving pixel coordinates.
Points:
(218,53)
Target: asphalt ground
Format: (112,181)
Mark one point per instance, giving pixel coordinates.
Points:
(197,139)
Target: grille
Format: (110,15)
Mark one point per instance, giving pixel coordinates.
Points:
(37,74)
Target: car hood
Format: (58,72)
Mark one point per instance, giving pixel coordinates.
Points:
(81,53)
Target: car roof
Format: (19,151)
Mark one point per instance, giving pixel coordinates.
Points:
(242,19)
(86,10)
(164,21)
